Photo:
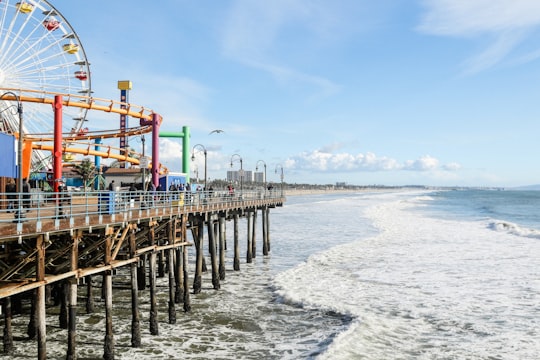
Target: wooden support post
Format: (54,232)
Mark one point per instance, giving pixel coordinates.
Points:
(216,235)
(172,309)
(179,276)
(221,223)
(108,353)
(212,249)
(72,320)
(198,235)
(268,229)
(135,316)
(249,254)
(236,260)
(161,264)
(63,314)
(187,304)
(171,237)
(40,299)
(254,235)
(72,299)
(224,230)
(141,272)
(8,332)
(264,215)
(198,238)
(154,330)
(89,295)
(181,282)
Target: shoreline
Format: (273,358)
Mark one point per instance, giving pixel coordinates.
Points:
(295,192)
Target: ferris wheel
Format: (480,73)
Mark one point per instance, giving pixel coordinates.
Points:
(40,51)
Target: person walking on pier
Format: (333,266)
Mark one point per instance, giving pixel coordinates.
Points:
(11,189)
(26,195)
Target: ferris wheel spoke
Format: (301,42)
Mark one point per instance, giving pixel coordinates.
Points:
(24,53)
(18,37)
(39,50)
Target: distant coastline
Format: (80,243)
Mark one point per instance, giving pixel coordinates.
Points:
(343,190)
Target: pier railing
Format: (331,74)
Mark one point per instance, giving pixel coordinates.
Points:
(113,206)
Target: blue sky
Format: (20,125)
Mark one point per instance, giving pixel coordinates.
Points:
(394,92)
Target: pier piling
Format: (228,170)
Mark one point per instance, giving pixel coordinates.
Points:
(249,254)
(8,331)
(221,225)
(213,257)
(45,263)
(236,261)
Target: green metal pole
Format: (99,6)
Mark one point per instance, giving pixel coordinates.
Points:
(185,151)
(185,135)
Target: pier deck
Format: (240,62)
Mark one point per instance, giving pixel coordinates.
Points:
(57,239)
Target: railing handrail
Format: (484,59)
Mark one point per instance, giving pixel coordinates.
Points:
(39,206)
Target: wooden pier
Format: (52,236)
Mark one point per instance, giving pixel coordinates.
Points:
(52,246)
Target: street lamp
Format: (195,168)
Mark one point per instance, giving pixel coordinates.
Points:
(257,169)
(281,167)
(144,165)
(20,148)
(205,157)
(196,171)
(241,170)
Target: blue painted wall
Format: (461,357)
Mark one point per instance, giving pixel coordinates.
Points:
(8,160)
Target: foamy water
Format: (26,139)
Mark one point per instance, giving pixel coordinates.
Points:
(427,288)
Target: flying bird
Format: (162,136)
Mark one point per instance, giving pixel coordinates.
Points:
(217,131)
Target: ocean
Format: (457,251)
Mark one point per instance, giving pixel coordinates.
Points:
(368,275)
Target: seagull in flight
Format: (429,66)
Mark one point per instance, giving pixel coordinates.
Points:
(217,131)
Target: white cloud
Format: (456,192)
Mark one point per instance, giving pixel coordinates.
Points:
(473,17)
(507,22)
(170,154)
(453,166)
(425,163)
(319,161)
(253,32)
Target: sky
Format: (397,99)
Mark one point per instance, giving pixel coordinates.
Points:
(387,92)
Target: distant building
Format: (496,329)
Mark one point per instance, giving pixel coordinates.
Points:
(341,184)
(234,176)
(258,177)
(123,177)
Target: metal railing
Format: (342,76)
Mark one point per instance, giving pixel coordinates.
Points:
(39,206)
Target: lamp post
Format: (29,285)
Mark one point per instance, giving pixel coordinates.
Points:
(196,171)
(205,157)
(145,164)
(241,171)
(20,213)
(257,169)
(281,176)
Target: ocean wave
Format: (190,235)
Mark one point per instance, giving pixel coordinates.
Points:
(514,229)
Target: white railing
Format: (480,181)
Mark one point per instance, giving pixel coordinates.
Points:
(39,206)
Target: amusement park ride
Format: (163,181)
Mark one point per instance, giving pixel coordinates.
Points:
(43,64)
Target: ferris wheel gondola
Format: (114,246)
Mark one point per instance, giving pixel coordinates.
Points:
(39,50)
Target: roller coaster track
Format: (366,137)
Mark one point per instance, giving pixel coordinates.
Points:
(90,103)
(80,101)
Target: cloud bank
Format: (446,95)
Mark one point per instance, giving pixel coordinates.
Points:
(319,161)
(506,24)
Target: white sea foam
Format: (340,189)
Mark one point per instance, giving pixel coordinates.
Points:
(425,288)
(514,229)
